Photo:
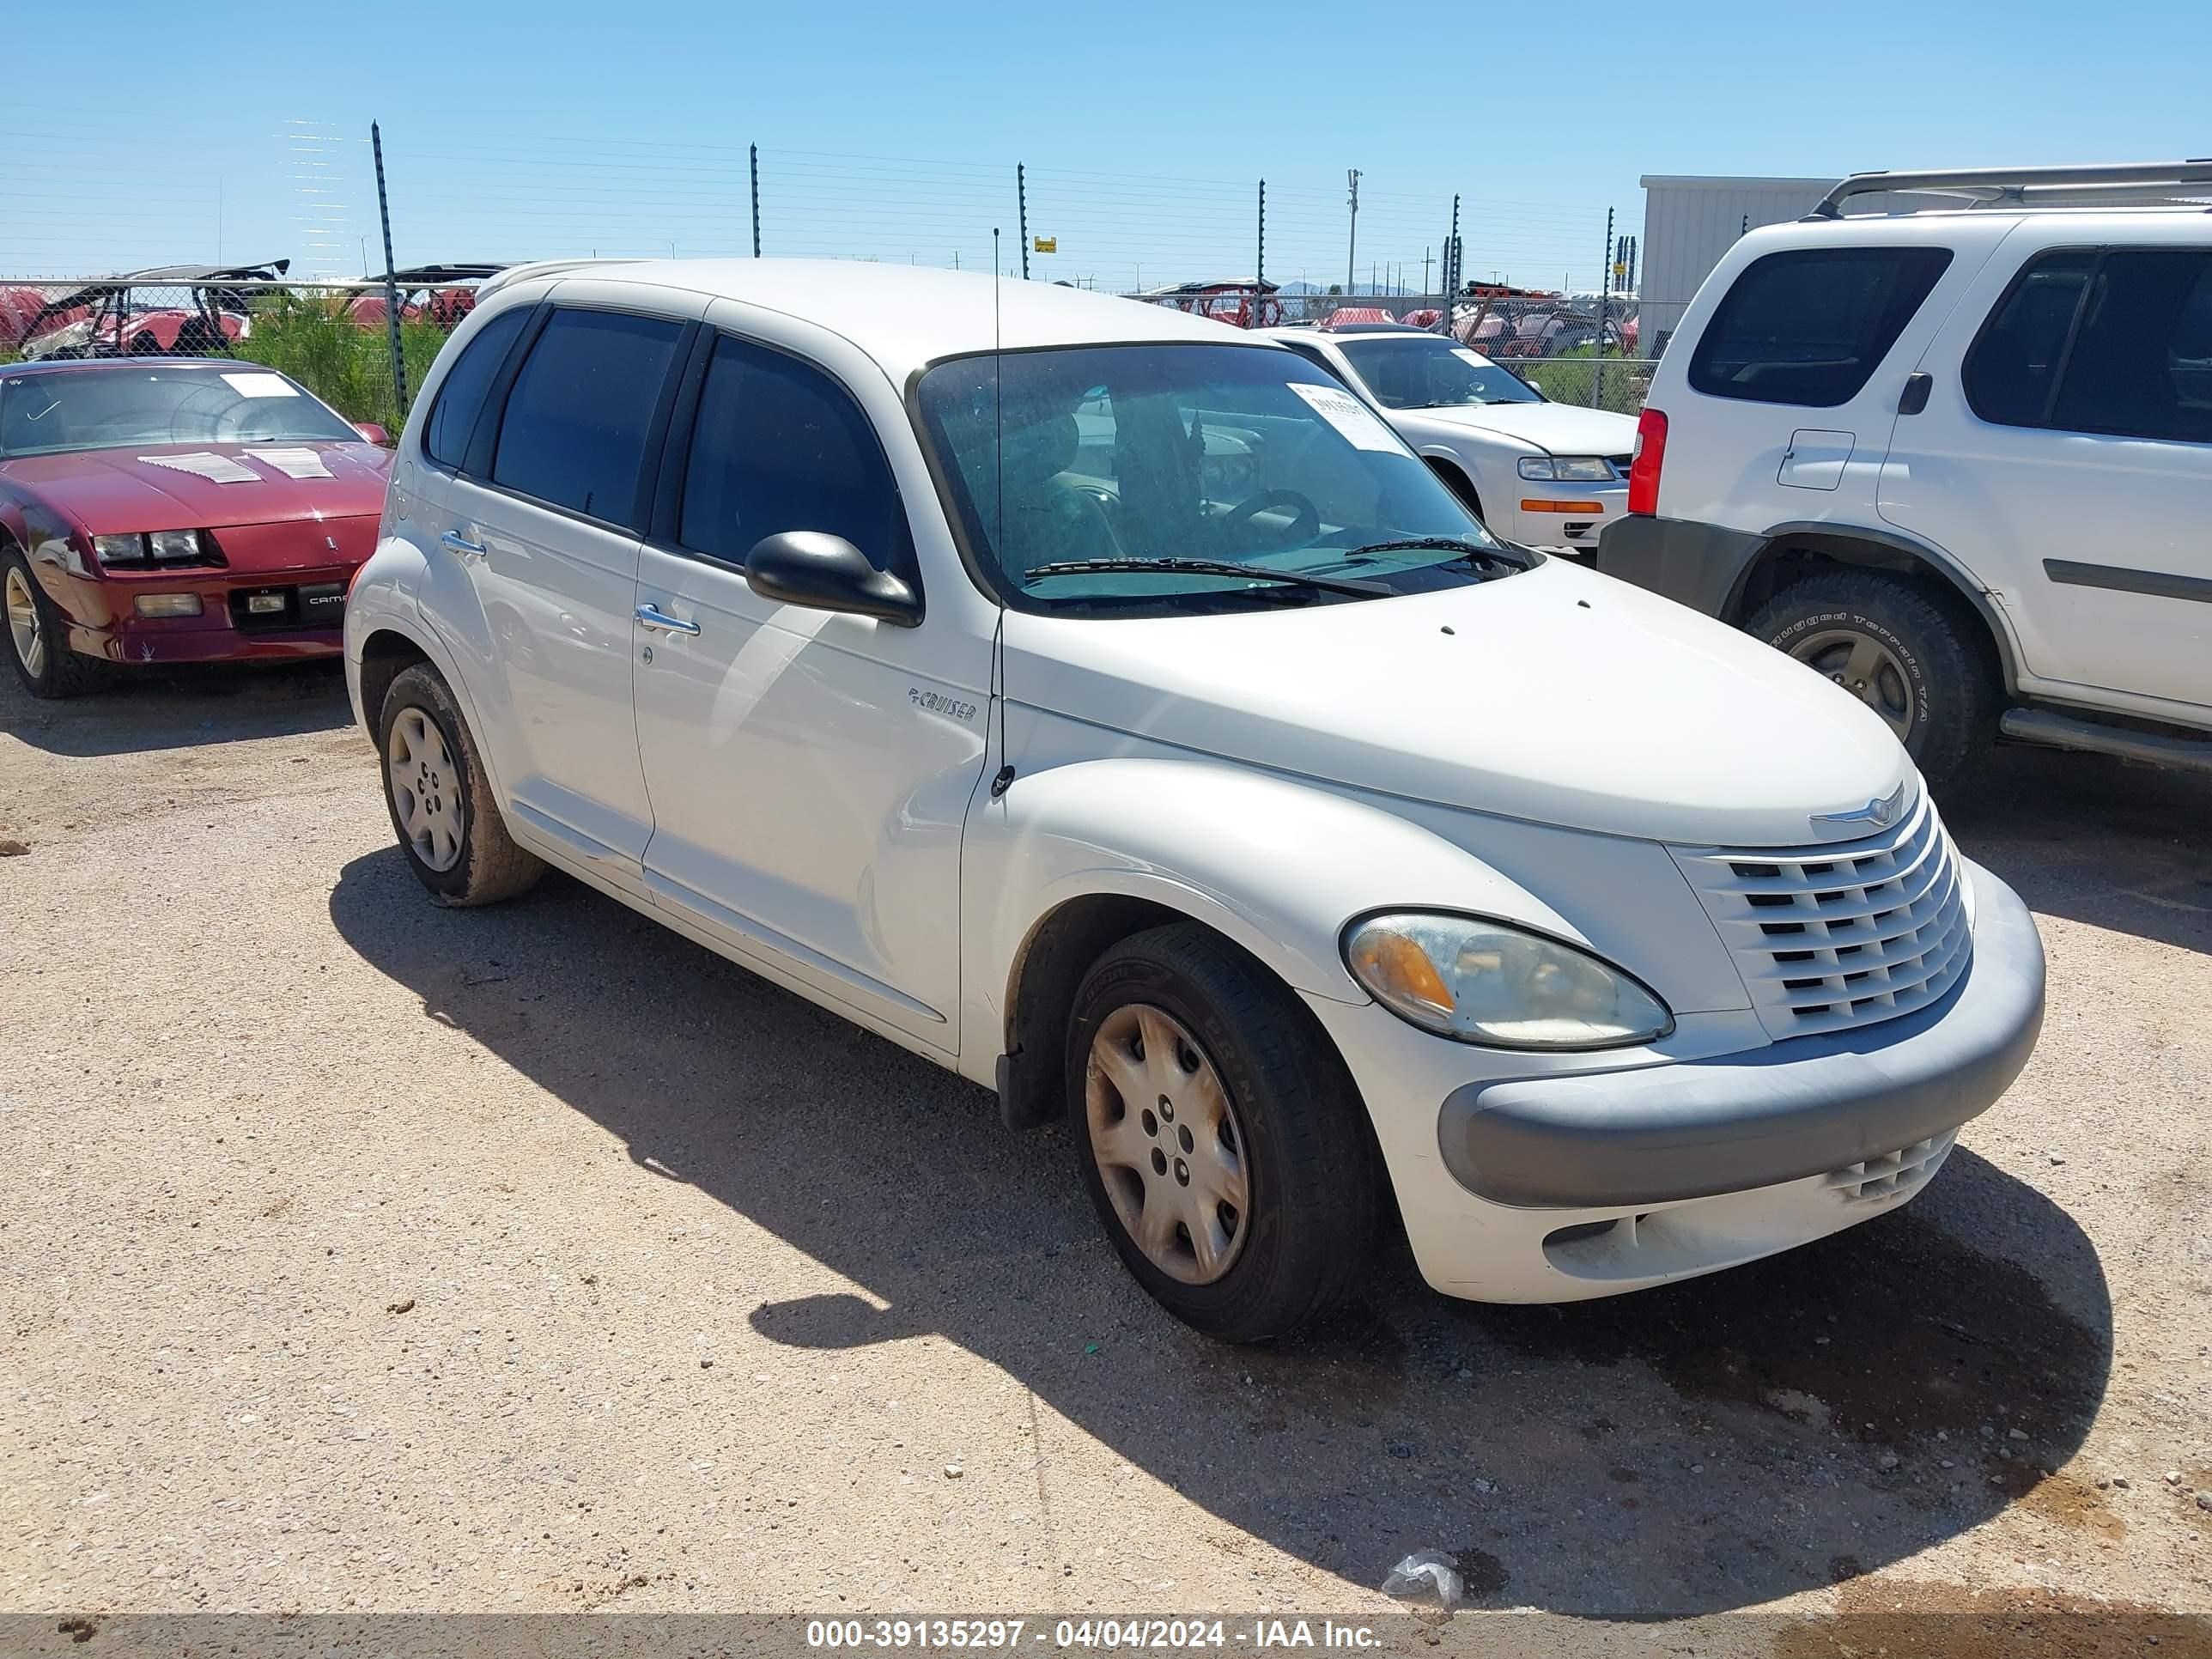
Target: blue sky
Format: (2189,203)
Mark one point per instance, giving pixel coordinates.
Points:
(893,131)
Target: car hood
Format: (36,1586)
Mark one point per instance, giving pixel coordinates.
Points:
(1557,696)
(1555,429)
(113,492)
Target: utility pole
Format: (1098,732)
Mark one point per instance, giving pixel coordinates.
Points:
(1022,205)
(390,282)
(1352,246)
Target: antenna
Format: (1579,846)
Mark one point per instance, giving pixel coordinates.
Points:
(1004,779)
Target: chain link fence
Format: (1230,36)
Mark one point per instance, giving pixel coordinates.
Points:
(334,338)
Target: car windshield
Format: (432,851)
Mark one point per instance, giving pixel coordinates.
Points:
(1430,372)
(1173,453)
(136,402)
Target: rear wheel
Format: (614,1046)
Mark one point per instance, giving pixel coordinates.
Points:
(1219,1136)
(1907,654)
(440,796)
(38,635)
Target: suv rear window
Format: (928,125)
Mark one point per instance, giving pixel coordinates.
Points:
(1811,325)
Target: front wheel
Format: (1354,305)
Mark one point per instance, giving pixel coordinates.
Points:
(1219,1136)
(440,796)
(1907,654)
(38,635)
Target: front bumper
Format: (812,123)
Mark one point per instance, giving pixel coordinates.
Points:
(104,623)
(1558,517)
(1806,1106)
(1532,1177)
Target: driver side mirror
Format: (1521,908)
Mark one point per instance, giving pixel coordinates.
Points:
(828,572)
(372,433)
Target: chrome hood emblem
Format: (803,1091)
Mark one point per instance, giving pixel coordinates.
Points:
(1875,814)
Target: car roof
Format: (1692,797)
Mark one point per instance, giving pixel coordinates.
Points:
(906,316)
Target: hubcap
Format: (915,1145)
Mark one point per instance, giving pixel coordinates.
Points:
(23,624)
(1866,668)
(1169,1145)
(426,788)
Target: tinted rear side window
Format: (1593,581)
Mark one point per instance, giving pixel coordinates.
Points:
(779,446)
(2142,362)
(1810,326)
(575,427)
(455,416)
(2013,370)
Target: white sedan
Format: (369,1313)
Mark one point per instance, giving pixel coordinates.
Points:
(1544,474)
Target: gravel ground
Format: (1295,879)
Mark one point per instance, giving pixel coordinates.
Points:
(363,1256)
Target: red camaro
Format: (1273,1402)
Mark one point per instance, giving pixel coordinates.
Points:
(171,510)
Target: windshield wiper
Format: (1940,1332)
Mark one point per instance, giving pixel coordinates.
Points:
(1471,551)
(1213,568)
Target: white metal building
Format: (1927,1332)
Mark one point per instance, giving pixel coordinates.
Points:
(1689,222)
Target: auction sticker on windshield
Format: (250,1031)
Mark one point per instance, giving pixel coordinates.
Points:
(262,385)
(1472,359)
(1349,417)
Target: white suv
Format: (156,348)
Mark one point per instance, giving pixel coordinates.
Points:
(1548,474)
(1128,720)
(1958,460)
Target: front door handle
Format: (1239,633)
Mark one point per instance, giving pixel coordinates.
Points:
(653,616)
(453,542)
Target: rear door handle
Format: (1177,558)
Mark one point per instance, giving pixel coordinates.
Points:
(453,542)
(653,616)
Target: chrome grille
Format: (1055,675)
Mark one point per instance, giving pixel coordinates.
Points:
(1827,938)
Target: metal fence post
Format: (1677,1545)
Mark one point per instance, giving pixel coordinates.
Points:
(1260,258)
(1022,206)
(1352,236)
(1604,294)
(756,161)
(391,280)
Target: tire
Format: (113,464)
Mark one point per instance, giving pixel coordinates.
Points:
(449,827)
(1309,1171)
(61,671)
(1935,654)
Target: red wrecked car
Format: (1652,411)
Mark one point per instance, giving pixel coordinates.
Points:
(173,510)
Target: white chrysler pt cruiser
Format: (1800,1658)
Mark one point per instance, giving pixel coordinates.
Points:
(1108,706)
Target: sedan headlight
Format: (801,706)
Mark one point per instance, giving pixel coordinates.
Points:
(1567,469)
(1484,981)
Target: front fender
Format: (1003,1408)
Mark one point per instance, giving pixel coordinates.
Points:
(1275,864)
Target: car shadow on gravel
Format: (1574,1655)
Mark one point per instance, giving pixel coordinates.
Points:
(180,708)
(2095,839)
(1709,1446)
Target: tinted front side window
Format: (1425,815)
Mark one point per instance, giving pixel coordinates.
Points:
(1810,326)
(779,446)
(576,423)
(2142,362)
(2013,370)
(461,398)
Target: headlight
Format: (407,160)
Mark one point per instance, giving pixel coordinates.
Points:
(114,549)
(1484,981)
(1567,469)
(175,543)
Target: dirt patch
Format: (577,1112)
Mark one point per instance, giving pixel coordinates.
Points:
(1911,1620)
(1891,1331)
(1483,1573)
(2066,1500)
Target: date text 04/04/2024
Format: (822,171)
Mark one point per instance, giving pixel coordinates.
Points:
(1110,1634)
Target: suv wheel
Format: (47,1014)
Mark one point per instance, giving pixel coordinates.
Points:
(38,635)
(440,796)
(1910,657)
(1219,1136)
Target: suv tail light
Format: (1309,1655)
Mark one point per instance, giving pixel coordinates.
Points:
(1650,456)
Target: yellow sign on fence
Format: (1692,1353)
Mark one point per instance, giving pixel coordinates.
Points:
(1047,245)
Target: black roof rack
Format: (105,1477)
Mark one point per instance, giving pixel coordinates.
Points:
(2012,186)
